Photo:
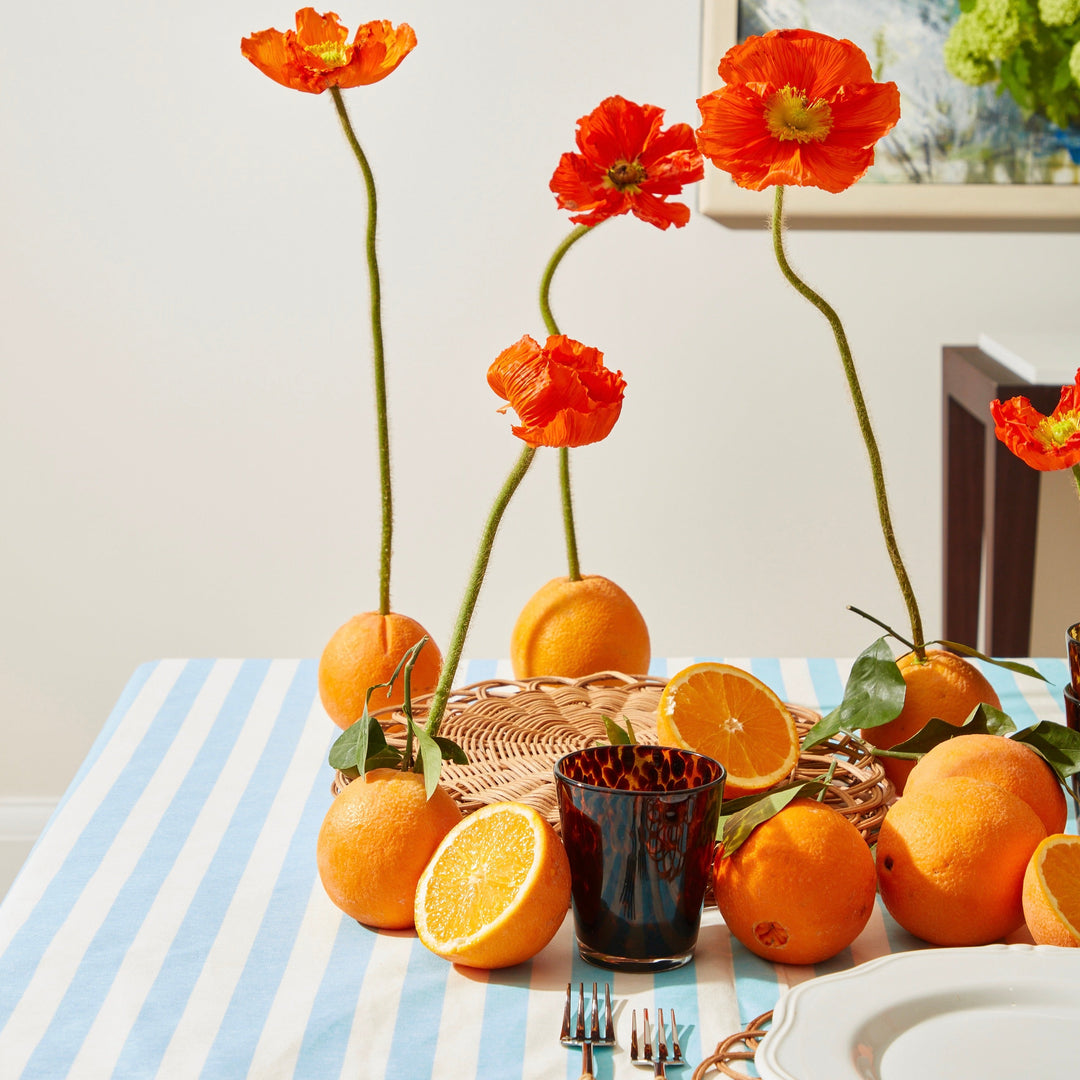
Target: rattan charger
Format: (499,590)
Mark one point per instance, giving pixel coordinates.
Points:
(513,732)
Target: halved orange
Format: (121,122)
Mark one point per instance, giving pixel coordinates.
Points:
(1052,891)
(496,889)
(733,717)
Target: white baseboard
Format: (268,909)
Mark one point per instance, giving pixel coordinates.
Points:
(23,817)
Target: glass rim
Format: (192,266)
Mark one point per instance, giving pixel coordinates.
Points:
(1073,633)
(586,786)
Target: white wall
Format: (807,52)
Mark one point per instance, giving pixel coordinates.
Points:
(186,440)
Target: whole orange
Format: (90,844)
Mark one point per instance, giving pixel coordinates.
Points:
(800,888)
(577,628)
(951,858)
(943,685)
(377,837)
(364,652)
(1005,762)
(1052,892)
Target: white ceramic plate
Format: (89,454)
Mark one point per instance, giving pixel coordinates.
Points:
(999,1012)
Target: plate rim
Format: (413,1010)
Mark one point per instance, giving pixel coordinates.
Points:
(785,1015)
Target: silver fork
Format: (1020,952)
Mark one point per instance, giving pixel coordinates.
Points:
(662,1058)
(587,1039)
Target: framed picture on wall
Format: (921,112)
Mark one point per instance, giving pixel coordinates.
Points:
(961,157)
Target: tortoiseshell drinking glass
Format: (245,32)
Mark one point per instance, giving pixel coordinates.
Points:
(639,824)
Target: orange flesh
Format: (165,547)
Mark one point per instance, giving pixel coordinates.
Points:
(476,879)
(1059,873)
(732,719)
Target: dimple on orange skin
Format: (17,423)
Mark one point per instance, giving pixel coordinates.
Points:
(801,888)
(951,858)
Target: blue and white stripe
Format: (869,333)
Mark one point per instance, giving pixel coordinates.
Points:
(170,921)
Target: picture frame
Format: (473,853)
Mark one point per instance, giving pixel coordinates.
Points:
(1045,207)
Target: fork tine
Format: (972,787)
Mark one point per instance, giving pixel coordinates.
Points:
(565,1033)
(676,1053)
(661,1045)
(594,1028)
(633,1035)
(579,1031)
(645,1034)
(609,1027)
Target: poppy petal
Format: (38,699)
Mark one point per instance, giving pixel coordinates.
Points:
(377,50)
(622,133)
(1044,443)
(270,52)
(799,108)
(562,393)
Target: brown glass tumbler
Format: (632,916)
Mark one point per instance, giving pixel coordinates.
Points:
(639,825)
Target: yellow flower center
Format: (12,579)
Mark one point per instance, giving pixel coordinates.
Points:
(788,115)
(1058,431)
(331,53)
(626,175)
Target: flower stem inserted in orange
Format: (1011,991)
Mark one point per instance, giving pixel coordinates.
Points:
(313,58)
(564,396)
(626,163)
(803,108)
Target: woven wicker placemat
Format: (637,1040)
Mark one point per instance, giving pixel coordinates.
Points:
(513,732)
(738,1047)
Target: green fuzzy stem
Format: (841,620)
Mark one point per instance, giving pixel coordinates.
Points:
(1076,477)
(386,544)
(568,515)
(472,591)
(564,453)
(864,422)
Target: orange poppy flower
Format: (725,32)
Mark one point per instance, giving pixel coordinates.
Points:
(799,108)
(315,55)
(627,163)
(562,393)
(1043,442)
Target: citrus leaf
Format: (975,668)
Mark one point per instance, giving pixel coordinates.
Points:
(429,761)
(1058,745)
(751,811)
(616,735)
(874,695)
(1012,665)
(982,720)
(451,751)
(389,757)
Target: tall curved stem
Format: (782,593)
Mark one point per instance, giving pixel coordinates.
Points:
(472,591)
(864,422)
(564,453)
(378,363)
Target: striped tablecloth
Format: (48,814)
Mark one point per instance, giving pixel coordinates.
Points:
(170,921)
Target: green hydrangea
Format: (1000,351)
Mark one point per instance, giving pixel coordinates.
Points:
(997,27)
(1059,12)
(963,57)
(1074,63)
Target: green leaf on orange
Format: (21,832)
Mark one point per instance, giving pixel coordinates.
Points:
(740,817)
(982,720)
(1011,665)
(616,735)
(873,695)
(1058,745)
